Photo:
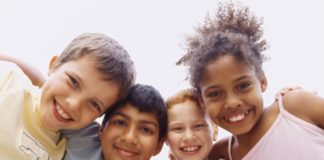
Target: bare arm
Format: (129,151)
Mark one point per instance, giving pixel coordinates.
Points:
(219,150)
(306,105)
(36,77)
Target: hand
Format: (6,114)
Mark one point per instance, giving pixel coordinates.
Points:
(286,90)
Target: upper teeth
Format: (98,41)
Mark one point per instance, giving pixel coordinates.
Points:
(190,149)
(237,117)
(62,113)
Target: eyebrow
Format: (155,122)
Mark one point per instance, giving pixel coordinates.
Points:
(140,121)
(149,123)
(116,113)
(242,78)
(236,80)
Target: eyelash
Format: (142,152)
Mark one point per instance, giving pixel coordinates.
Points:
(95,105)
(243,86)
(74,83)
(119,123)
(199,126)
(146,130)
(176,129)
(122,123)
(214,94)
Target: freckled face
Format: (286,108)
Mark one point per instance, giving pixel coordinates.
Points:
(74,95)
(189,136)
(232,94)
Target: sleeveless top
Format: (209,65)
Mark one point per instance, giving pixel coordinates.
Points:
(289,138)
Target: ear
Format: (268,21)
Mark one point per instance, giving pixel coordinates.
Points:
(100,131)
(52,64)
(159,147)
(263,82)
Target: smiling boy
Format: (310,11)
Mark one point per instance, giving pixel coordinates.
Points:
(70,98)
(135,129)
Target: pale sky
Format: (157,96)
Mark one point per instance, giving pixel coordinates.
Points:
(153,34)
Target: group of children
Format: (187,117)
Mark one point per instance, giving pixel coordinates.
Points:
(95,76)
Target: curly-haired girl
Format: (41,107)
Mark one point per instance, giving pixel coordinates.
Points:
(225,67)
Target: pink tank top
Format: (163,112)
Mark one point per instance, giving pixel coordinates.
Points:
(289,138)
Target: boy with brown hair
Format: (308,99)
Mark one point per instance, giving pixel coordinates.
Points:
(70,98)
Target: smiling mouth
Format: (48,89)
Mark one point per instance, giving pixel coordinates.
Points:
(191,149)
(236,118)
(125,152)
(60,114)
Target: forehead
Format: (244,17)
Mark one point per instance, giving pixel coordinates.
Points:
(132,114)
(187,107)
(225,69)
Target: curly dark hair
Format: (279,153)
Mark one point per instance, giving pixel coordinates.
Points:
(234,30)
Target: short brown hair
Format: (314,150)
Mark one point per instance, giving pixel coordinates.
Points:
(113,60)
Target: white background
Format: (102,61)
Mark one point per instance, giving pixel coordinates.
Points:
(153,33)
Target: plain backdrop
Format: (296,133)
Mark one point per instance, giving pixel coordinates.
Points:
(153,32)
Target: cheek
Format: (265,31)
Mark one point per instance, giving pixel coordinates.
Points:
(212,112)
(173,139)
(206,137)
(107,135)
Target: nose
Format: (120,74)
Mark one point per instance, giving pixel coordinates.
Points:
(74,103)
(232,101)
(189,135)
(129,136)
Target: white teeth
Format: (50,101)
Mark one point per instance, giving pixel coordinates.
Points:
(190,149)
(237,118)
(62,113)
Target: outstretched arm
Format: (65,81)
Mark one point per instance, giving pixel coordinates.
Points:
(36,77)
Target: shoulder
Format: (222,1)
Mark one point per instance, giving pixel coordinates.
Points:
(90,130)
(83,144)
(305,105)
(219,149)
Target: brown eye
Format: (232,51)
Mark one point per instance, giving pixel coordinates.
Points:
(243,86)
(146,130)
(215,95)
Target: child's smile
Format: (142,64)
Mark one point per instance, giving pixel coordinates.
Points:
(60,113)
(232,93)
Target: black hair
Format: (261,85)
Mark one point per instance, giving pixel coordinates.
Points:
(146,99)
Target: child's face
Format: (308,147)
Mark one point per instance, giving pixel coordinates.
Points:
(130,134)
(232,94)
(74,95)
(189,136)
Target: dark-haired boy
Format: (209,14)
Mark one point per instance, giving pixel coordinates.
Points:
(136,127)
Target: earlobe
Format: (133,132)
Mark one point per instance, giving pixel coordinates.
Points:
(52,63)
(264,84)
(263,81)
(101,128)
